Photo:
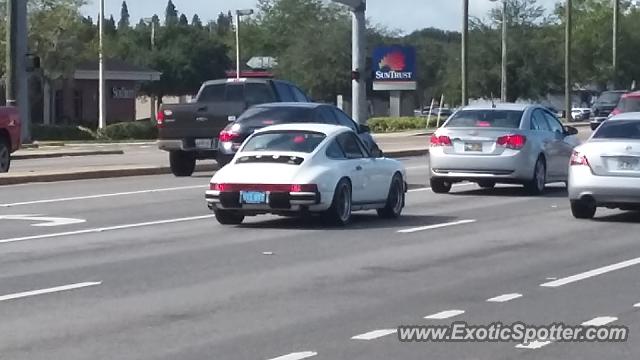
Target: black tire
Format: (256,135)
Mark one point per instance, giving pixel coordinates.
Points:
(223,159)
(583,209)
(395,199)
(440,186)
(5,156)
(340,211)
(182,163)
(487,184)
(537,185)
(229,217)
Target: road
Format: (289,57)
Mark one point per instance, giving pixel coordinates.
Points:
(149,274)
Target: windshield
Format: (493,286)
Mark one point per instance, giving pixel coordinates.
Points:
(629,104)
(619,129)
(486,119)
(265,116)
(609,98)
(295,141)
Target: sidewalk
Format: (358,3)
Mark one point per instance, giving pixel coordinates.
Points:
(76,161)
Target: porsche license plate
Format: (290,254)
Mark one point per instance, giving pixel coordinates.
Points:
(473,146)
(253,197)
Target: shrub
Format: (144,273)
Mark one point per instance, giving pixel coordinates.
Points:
(60,132)
(136,130)
(393,124)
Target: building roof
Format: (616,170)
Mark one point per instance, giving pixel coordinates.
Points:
(116,69)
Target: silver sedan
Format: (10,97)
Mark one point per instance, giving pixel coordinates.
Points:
(506,143)
(605,171)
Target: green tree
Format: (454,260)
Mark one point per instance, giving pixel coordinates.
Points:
(196,22)
(224,24)
(183,20)
(170,14)
(110,26)
(124,22)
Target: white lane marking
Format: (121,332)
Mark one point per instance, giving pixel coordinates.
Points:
(436,226)
(429,189)
(296,356)
(98,196)
(375,334)
(600,321)
(637,305)
(43,220)
(108,228)
(48,290)
(444,314)
(533,345)
(591,273)
(504,298)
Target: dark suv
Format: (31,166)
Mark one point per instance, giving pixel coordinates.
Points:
(604,105)
(265,115)
(190,131)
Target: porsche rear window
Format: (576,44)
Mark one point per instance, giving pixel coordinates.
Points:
(509,119)
(293,141)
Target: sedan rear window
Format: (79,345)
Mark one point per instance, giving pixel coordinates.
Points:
(295,141)
(265,116)
(629,104)
(509,119)
(618,129)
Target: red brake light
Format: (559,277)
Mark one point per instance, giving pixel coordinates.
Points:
(304,188)
(578,159)
(515,142)
(440,140)
(160,118)
(227,136)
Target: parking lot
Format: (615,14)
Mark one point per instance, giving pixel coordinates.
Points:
(137,268)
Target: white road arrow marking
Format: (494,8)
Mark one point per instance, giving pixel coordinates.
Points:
(44,221)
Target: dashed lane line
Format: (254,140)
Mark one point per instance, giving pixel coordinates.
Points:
(504,298)
(444,314)
(375,334)
(48,290)
(435,226)
(591,273)
(296,356)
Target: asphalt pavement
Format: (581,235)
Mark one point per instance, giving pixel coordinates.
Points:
(138,268)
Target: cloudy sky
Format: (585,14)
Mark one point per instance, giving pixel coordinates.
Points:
(405,15)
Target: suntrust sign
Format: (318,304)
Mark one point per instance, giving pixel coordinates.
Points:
(394,68)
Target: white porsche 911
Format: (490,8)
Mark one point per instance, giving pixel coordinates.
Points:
(294,169)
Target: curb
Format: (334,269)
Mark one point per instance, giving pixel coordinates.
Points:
(94,174)
(65,154)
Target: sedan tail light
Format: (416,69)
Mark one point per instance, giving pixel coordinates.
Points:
(441,140)
(578,159)
(160,119)
(515,142)
(228,136)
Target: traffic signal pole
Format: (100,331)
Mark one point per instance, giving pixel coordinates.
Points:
(359,86)
(12,52)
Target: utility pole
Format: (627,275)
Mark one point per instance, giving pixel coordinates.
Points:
(246,12)
(102,120)
(503,80)
(12,53)
(358,46)
(568,87)
(616,31)
(465,51)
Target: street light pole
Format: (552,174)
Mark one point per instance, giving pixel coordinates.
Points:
(567,60)
(12,53)
(464,56)
(503,81)
(102,121)
(238,14)
(616,30)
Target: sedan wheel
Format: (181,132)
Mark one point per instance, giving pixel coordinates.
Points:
(537,185)
(440,186)
(583,209)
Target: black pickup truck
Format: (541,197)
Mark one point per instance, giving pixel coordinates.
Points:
(189,132)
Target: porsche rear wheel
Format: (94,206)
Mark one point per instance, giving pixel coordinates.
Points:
(229,217)
(395,199)
(340,211)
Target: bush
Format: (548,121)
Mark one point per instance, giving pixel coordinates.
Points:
(60,132)
(136,130)
(392,124)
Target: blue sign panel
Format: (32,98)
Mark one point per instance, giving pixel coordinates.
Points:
(394,64)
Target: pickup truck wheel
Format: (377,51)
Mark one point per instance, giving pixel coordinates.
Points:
(5,156)
(182,163)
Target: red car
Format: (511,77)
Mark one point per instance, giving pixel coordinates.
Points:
(9,135)
(629,102)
